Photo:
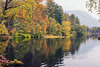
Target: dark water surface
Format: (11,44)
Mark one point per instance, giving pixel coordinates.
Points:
(68,52)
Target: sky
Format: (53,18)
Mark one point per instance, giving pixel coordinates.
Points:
(76,5)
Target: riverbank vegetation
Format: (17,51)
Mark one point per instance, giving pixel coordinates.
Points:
(93,31)
(33,18)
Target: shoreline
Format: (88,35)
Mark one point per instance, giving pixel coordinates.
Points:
(44,36)
(49,36)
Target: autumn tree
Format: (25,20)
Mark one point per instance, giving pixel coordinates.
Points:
(59,29)
(38,1)
(19,11)
(52,26)
(66,28)
(50,8)
(3,29)
(40,17)
(23,11)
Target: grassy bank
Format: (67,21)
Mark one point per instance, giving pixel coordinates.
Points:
(51,36)
(33,36)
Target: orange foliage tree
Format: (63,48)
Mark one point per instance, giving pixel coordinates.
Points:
(40,17)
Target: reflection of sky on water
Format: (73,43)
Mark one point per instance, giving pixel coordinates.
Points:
(77,52)
(88,55)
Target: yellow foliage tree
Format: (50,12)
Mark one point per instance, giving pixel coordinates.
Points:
(21,13)
(66,27)
(3,29)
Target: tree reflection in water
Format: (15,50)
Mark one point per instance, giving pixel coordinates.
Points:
(40,52)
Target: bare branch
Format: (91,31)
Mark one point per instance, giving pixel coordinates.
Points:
(9,1)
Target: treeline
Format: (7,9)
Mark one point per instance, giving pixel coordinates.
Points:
(93,30)
(33,17)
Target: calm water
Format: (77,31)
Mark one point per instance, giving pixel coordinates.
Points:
(69,52)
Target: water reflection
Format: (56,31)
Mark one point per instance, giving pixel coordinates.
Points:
(41,52)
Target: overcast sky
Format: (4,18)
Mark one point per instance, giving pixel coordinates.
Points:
(75,5)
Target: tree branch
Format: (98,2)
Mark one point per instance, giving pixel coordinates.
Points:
(9,1)
(11,7)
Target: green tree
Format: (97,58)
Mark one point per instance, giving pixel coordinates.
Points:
(52,26)
(58,13)
(73,19)
(80,30)
(18,27)
(77,21)
(66,17)
(50,8)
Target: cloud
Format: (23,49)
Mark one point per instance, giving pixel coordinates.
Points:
(72,4)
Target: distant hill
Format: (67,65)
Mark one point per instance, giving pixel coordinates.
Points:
(85,18)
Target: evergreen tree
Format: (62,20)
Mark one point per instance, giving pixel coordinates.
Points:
(66,17)
(73,19)
(58,13)
(77,20)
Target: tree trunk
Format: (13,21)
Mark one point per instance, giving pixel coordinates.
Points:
(6,5)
